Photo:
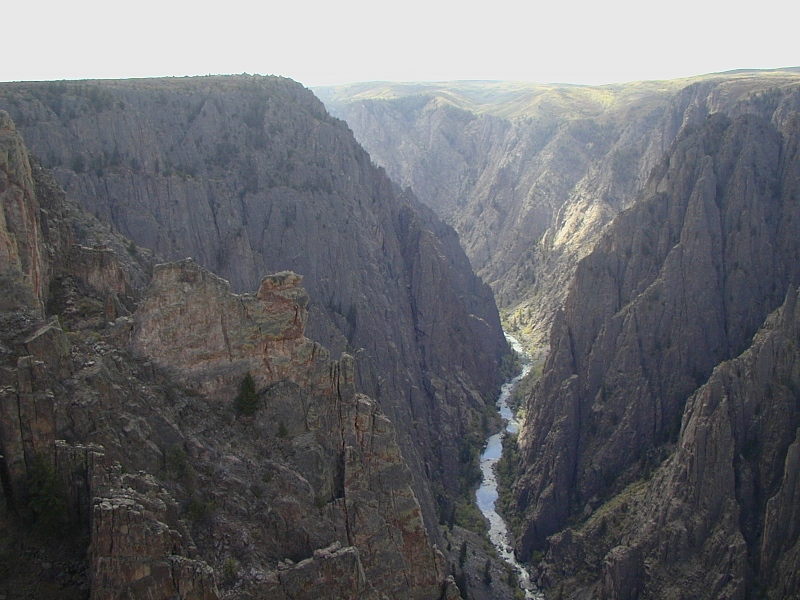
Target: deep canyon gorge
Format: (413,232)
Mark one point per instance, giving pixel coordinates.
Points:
(252,339)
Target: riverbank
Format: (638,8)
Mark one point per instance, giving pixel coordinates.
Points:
(487,494)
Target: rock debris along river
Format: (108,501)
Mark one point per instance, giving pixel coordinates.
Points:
(487,492)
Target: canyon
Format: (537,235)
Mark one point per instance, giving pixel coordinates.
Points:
(638,237)
(122,427)
(242,360)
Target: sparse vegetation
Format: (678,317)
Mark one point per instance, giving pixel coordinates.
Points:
(524,389)
(468,515)
(511,365)
(179,469)
(87,307)
(200,510)
(230,570)
(469,460)
(507,470)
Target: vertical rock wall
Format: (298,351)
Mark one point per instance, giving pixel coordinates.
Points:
(250,175)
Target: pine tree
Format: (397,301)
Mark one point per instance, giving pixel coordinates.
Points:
(247,400)
(487,573)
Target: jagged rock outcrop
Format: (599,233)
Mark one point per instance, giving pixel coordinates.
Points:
(250,175)
(20,230)
(719,515)
(33,239)
(27,426)
(190,321)
(43,479)
(677,285)
(100,269)
(344,481)
(309,578)
(31,247)
(36,228)
(139,546)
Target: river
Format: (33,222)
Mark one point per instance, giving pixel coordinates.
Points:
(487,492)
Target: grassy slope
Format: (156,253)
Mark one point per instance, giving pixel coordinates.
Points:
(509,99)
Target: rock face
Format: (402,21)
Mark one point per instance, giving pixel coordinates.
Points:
(708,518)
(126,433)
(33,242)
(702,246)
(139,547)
(99,269)
(20,233)
(43,479)
(191,322)
(28,254)
(530,174)
(250,175)
(678,284)
(345,480)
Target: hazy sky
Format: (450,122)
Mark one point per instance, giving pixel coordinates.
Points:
(321,43)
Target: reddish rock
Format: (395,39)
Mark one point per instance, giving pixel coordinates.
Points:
(345,480)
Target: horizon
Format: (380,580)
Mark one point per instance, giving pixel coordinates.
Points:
(599,83)
(319,44)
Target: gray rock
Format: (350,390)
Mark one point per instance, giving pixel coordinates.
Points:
(250,175)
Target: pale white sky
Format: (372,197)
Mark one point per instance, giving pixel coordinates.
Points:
(323,43)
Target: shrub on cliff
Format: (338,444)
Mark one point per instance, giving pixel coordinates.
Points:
(247,400)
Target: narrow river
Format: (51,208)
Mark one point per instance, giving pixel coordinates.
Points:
(487,492)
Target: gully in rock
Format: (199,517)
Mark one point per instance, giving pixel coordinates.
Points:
(487,494)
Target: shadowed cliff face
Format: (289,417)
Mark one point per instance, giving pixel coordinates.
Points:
(679,283)
(527,178)
(249,175)
(721,512)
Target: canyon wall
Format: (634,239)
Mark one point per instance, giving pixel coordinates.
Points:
(529,174)
(677,285)
(657,223)
(249,176)
(129,465)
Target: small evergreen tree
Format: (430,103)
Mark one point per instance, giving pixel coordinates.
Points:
(282,431)
(487,573)
(247,400)
(462,554)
